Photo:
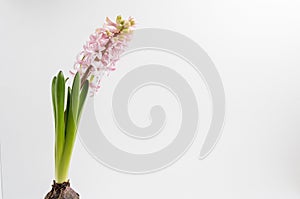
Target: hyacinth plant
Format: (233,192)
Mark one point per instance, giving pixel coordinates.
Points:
(97,58)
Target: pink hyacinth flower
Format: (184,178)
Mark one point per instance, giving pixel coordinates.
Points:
(103,49)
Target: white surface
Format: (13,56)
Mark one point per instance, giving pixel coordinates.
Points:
(255,46)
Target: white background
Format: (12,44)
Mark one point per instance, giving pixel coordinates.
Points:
(254,44)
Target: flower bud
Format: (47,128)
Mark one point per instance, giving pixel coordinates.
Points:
(119,19)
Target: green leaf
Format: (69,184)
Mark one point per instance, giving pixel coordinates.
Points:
(54,103)
(53,91)
(60,102)
(67,108)
(82,98)
(75,95)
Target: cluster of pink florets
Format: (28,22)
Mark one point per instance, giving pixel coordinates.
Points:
(103,50)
